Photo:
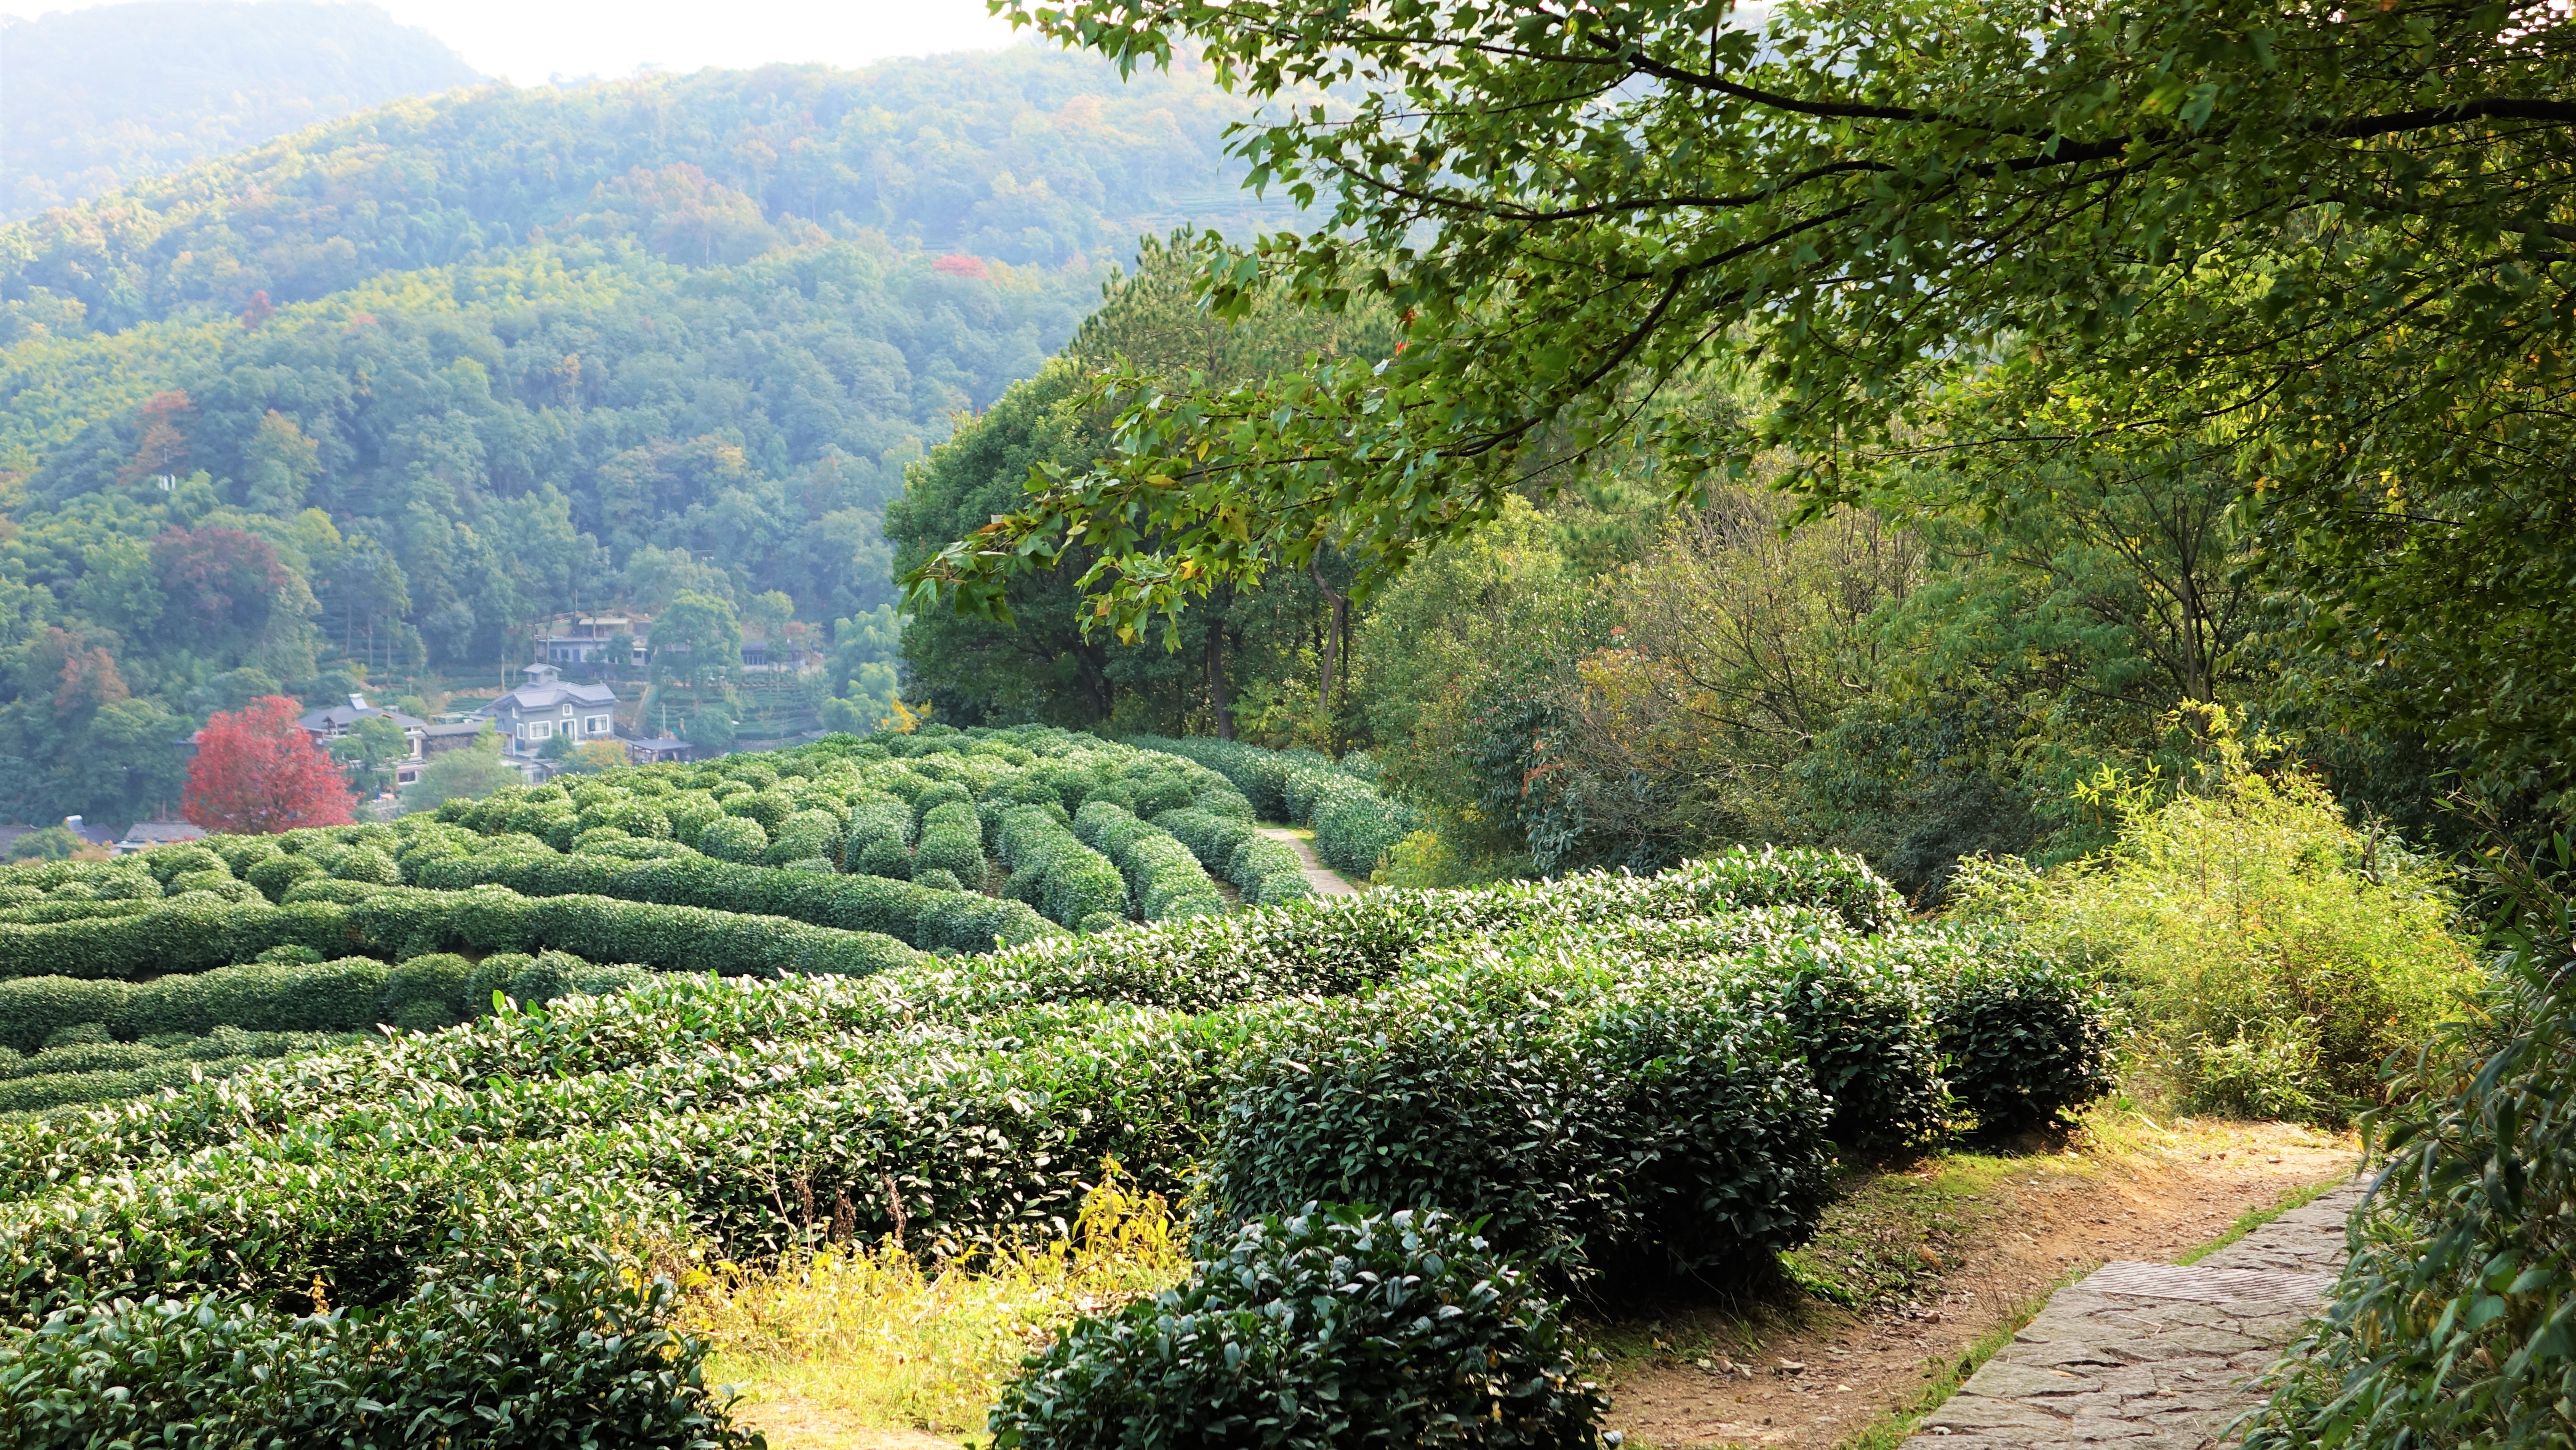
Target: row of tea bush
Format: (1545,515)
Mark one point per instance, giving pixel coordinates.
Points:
(1640,1077)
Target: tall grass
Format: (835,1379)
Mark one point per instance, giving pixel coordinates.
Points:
(868,1336)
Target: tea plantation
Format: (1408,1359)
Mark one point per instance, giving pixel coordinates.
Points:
(920,990)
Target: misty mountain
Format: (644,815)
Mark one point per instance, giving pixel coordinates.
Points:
(92,100)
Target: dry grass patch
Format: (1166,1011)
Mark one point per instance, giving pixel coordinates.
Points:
(865,1349)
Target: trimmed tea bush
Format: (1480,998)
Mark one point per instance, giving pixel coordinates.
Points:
(1231,848)
(2024,1041)
(931,919)
(964,1101)
(733,838)
(555,1356)
(952,840)
(402,920)
(1329,1328)
(1354,825)
(1583,1131)
(1163,879)
(1053,871)
(880,837)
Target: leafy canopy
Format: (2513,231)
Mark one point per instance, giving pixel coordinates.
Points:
(2330,244)
(257,773)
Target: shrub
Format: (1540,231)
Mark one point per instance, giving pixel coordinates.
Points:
(880,836)
(768,1119)
(2024,1041)
(366,863)
(942,793)
(2271,955)
(184,934)
(952,840)
(736,838)
(1355,826)
(1053,871)
(930,919)
(2450,1324)
(1164,880)
(165,862)
(275,875)
(1857,1012)
(336,996)
(33,1009)
(1329,1328)
(599,928)
(431,991)
(575,1355)
(1444,1108)
(1582,1132)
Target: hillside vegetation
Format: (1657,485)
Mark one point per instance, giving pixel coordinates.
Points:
(369,402)
(98,98)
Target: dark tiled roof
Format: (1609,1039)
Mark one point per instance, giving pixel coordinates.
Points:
(341,717)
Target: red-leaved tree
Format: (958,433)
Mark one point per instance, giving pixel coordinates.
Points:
(257,773)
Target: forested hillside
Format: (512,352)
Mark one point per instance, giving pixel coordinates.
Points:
(95,99)
(1021,156)
(362,406)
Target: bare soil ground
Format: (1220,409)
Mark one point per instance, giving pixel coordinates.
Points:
(1932,1259)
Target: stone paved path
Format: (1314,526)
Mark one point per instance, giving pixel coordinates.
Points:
(1326,881)
(2151,1356)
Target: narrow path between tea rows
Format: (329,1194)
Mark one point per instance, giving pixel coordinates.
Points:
(1325,880)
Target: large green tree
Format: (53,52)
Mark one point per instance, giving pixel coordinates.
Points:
(2334,243)
(1277,647)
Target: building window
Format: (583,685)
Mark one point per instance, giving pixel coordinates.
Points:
(596,725)
(541,730)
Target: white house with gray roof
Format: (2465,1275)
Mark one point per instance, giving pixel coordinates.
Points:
(546,707)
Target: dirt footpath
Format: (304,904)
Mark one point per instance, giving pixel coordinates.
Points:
(1943,1254)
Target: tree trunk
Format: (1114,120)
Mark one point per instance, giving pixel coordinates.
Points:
(1337,641)
(1216,680)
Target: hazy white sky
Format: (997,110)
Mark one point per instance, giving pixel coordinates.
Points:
(528,41)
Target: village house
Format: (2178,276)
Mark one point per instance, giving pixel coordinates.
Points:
(583,639)
(546,707)
(330,724)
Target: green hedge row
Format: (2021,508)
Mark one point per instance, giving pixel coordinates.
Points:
(183,936)
(983,1093)
(1328,1328)
(1355,826)
(1660,1121)
(187,934)
(1052,870)
(1266,871)
(1327,946)
(405,921)
(1164,880)
(879,837)
(952,840)
(46,1091)
(67,1040)
(994,1136)
(577,1354)
(928,919)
